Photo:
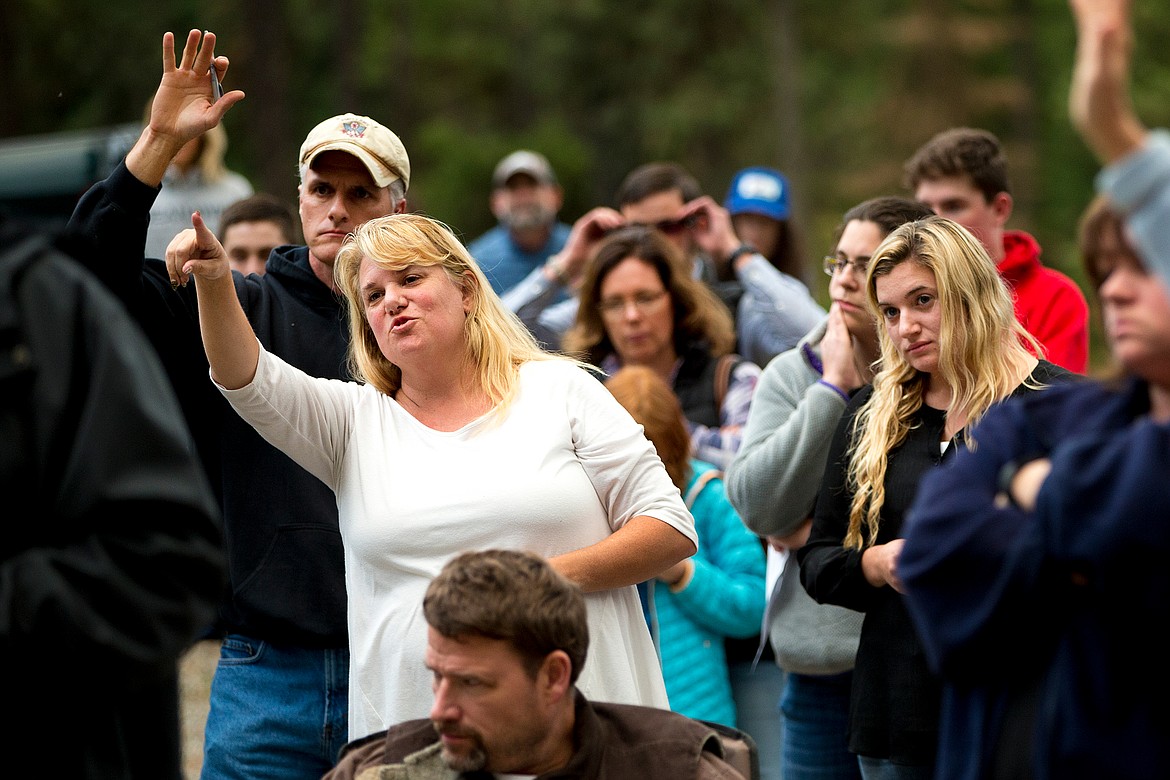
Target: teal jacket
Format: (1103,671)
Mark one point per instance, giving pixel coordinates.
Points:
(724,598)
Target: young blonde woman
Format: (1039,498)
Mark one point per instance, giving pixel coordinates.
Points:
(773,482)
(461,434)
(950,348)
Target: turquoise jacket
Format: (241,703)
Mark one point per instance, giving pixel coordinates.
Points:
(724,598)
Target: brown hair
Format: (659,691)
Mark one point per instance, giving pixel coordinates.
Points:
(513,596)
(888,212)
(961,151)
(699,315)
(260,207)
(1098,220)
(655,177)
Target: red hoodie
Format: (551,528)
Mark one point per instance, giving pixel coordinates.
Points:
(1048,304)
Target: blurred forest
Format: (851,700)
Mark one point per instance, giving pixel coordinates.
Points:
(837,95)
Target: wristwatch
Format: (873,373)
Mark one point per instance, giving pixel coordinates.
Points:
(740,251)
(1003,481)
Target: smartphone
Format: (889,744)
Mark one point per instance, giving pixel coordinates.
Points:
(216,87)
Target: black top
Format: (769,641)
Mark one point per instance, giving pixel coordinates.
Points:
(287,577)
(895,700)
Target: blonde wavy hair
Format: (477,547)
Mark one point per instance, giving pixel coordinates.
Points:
(984,354)
(496,342)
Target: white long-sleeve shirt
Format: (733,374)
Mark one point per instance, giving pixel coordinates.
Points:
(566,467)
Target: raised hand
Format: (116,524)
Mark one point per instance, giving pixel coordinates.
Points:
(1099,98)
(196,251)
(712,229)
(587,232)
(183,107)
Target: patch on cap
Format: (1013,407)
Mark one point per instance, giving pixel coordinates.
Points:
(374,145)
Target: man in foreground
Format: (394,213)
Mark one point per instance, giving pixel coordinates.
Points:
(507,639)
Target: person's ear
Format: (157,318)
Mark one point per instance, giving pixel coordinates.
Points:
(1001,206)
(470,287)
(499,203)
(555,675)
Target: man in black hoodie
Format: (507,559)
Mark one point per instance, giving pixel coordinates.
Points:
(279,698)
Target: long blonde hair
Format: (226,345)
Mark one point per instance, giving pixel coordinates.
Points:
(983,355)
(497,343)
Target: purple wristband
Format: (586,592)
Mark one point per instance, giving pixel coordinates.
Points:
(835,389)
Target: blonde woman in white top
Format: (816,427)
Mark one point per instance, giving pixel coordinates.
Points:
(462,434)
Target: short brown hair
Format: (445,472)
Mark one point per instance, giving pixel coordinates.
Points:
(961,151)
(888,212)
(655,177)
(260,207)
(513,596)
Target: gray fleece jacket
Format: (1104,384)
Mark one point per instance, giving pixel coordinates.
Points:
(773,482)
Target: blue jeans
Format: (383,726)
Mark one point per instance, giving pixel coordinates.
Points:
(884,769)
(275,711)
(757,710)
(816,724)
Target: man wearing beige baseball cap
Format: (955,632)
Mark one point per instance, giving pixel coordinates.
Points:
(279,698)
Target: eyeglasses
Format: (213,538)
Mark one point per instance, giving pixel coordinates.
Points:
(832,264)
(643,303)
(670,226)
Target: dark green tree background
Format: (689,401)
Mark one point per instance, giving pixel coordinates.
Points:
(835,94)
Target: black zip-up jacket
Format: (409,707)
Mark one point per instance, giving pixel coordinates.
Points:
(285,563)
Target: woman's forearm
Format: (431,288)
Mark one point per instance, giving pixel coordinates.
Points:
(638,551)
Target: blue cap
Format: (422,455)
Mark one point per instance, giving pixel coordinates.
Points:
(759,190)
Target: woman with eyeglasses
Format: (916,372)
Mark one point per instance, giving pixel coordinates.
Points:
(639,306)
(950,348)
(773,482)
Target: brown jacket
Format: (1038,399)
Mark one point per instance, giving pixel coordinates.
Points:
(612,741)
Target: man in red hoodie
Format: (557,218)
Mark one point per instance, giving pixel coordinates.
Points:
(961,174)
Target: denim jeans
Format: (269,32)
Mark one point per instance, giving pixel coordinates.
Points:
(816,724)
(275,711)
(757,710)
(884,769)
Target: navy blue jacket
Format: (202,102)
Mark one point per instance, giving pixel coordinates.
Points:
(1044,625)
(286,569)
